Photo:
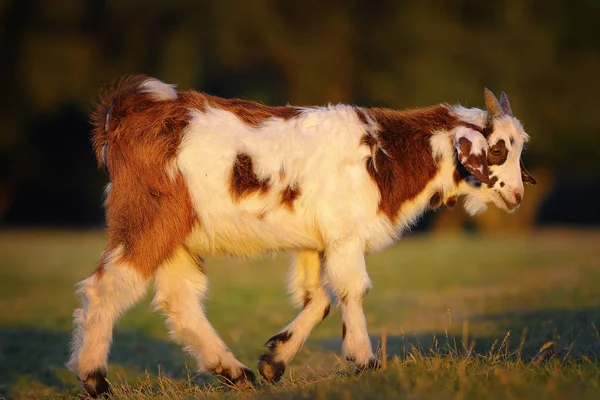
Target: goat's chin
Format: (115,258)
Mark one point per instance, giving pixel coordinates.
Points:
(504,204)
(474,205)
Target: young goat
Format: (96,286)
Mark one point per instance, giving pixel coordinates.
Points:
(194,175)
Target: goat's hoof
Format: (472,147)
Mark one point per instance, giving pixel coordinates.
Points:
(269,369)
(372,365)
(95,384)
(244,380)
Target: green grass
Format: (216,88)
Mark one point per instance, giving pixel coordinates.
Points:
(461,317)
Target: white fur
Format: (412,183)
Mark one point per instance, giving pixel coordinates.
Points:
(507,128)
(478,143)
(319,151)
(104,297)
(180,288)
(511,131)
(473,116)
(160,91)
(306,282)
(337,213)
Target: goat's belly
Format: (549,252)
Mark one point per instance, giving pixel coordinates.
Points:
(241,236)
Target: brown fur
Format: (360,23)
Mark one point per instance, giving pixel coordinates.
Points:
(253,113)
(493,181)
(404,135)
(486,130)
(148,212)
(289,196)
(369,141)
(457,176)
(500,158)
(473,162)
(362,116)
(244,180)
(435,201)
(450,202)
(307,300)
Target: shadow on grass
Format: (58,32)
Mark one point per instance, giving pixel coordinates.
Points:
(33,356)
(573,332)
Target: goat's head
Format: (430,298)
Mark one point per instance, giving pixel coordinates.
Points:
(493,169)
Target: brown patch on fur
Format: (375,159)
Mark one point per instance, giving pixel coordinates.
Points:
(281,337)
(498,153)
(362,115)
(370,141)
(289,195)
(450,202)
(252,113)
(405,135)
(493,181)
(435,201)
(501,184)
(475,164)
(281,173)
(367,139)
(343,331)
(148,212)
(486,130)
(307,300)
(457,176)
(244,181)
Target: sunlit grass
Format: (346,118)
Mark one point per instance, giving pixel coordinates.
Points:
(462,317)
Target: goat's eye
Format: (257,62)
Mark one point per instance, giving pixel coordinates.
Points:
(496,151)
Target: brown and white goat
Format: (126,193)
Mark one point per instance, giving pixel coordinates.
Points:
(194,175)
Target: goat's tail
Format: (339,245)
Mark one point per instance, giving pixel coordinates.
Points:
(131,94)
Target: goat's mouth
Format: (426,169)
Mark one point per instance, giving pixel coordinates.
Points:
(507,204)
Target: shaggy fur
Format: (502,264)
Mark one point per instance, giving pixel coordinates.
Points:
(193,175)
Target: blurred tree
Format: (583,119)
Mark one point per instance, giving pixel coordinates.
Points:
(544,54)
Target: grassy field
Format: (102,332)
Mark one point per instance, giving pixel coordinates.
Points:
(460,317)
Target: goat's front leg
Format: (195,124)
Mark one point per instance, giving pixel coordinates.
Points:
(307,290)
(347,276)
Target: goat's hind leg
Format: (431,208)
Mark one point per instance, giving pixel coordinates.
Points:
(307,291)
(180,287)
(111,290)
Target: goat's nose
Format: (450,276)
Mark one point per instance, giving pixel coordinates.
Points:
(518,195)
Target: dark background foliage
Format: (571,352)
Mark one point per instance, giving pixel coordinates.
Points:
(55,55)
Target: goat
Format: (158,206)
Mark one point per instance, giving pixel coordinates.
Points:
(194,175)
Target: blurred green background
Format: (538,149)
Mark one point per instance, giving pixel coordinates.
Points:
(55,55)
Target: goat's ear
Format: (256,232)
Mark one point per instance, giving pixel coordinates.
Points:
(525,176)
(471,149)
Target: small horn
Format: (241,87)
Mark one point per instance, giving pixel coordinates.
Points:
(505,104)
(492,105)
